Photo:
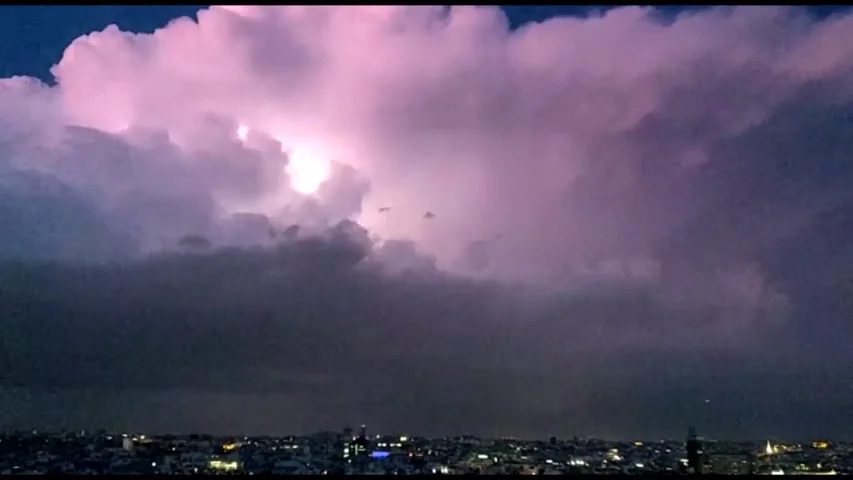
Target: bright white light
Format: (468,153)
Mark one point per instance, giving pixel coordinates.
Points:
(307,171)
(306,168)
(242,132)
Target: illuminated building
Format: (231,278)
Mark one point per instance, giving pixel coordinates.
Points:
(355,448)
(360,448)
(345,443)
(729,464)
(766,455)
(127,444)
(224,465)
(230,447)
(769,449)
(361,443)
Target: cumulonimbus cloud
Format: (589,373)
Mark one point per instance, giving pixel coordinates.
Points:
(680,166)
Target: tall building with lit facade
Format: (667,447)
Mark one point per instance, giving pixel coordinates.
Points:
(355,449)
(360,450)
(361,443)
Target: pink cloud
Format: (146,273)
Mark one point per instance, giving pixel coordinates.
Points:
(582,143)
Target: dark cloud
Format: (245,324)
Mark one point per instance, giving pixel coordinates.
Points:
(314,330)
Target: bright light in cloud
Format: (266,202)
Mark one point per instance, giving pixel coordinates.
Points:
(307,170)
(534,159)
(242,132)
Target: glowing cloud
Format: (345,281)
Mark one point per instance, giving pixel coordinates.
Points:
(307,170)
(243,132)
(558,150)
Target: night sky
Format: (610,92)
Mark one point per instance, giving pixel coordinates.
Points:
(528,221)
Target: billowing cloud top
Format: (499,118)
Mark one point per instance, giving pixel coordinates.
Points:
(422,189)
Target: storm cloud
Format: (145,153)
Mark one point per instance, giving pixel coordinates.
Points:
(273,219)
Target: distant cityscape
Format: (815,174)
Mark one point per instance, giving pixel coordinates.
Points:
(365,453)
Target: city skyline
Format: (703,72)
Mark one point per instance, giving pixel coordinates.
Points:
(365,453)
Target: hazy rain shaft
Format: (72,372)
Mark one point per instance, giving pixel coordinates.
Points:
(441,203)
